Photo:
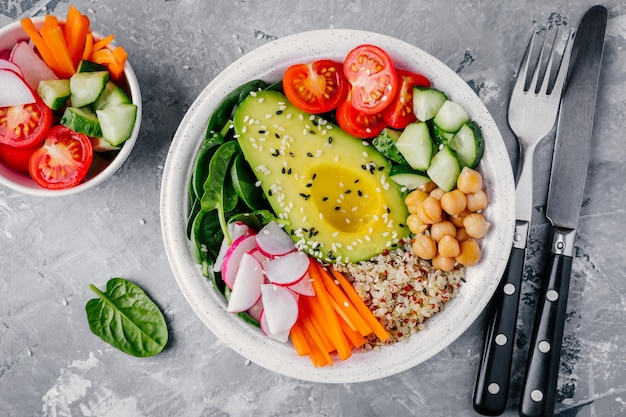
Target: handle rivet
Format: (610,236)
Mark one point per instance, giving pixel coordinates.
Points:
(552,295)
(560,245)
(501,339)
(536,395)
(493,388)
(509,289)
(517,237)
(543,346)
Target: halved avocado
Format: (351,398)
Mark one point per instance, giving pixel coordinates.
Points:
(333,190)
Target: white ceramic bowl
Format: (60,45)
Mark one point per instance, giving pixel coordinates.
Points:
(101,169)
(268,63)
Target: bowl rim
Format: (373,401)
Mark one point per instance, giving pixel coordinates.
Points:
(16,33)
(245,339)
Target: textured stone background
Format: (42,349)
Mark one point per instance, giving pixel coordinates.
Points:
(51,249)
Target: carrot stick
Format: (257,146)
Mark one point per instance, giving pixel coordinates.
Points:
(298,340)
(78,36)
(40,44)
(345,303)
(310,328)
(88,46)
(317,356)
(313,312)
(102,43)
(355,337)
(70,19)
(56,43)
(334,330)
(363,310)
(51,21)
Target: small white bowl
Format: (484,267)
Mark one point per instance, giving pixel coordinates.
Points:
(101,169)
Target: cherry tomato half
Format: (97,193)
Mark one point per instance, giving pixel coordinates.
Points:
(373,78)
(400,112)
(317,87)
(358,124)
(25,125)
(63,160)
(17,158)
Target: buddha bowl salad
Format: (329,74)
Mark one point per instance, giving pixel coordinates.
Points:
(339,207)
(62,101)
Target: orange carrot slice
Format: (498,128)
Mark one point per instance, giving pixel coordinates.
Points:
(56,43)
(40,44)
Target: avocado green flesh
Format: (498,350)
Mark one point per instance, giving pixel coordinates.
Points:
(333,190)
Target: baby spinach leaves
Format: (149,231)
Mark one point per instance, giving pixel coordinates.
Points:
(127,319)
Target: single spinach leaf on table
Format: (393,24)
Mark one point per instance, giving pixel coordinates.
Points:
(218,189)
(127,319)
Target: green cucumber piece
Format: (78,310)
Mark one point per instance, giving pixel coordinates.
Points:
(88,66)
(385,143)
(444,169)
(440,136)
(112,95)
(408,177)
(55,93)
(469,145)
(451,116)
(81,120)
(101,145)
(427,102)
(416,145)
(117,122)
(86,87)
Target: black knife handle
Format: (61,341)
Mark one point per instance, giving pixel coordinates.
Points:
(542,369)
(492,382)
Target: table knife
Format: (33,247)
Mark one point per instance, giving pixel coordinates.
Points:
(567,184)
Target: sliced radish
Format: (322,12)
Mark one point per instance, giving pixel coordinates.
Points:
(256,310)
(13,89)
(5,63)
(33,67)
(280,308)
(236,230)
(303,287)
(233,255)
(247,286)
(281,336)
(258,253)
(287,269)
(274,241)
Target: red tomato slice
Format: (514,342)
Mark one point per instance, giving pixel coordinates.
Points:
(17,158)
(373,77)
(400,112)
(317,87)
(25,125)
(358,124)
(63,160)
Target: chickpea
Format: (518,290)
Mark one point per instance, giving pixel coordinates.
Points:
(448,247)
(475,225)
(469,181)
(428,187)
(424,246)
(476,201)
(461,235)
(469,254)
(442,263)
(429,211)
(413,199)
(441,229)
(458,219)
(415,225)
(453,202)
(437,193)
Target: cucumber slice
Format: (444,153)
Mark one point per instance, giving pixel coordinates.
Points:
(88,66)
(451,116)
(385,143)
(86,87)
(440,136)
(427,102)
(416,146)
(408,177)
(54,93)
(81,120)
(468,144)
(444,169)
(101,145)
(117,122)
(111,96)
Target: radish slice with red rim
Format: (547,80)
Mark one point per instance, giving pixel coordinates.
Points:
(34,69)
(280,308)
(247,286)
(14,91)
(273,240)
(303,287)
(233,256)
(288,269)
(236,230)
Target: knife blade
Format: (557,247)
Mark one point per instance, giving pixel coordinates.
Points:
(567,184)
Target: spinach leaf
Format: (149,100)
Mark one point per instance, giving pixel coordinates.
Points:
(201,164)
(207,238)
(127,319)
(218,193)
(244,182)
(255,220)
(224,110)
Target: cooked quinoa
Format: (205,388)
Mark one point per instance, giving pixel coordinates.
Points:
(402,290)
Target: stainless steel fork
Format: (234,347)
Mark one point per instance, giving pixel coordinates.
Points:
(533,110)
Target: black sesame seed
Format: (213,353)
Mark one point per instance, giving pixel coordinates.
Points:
(381,168)
(314,122)
(337,208)
(277,135)
(360,193)
(348,191)
(364,167)
(289,171)
(309,185)
(314,176)
(424,291)
(330,139)
(283,170)
(279,112)
(309,154)
(291,154)
(325,199)
(261,132)
(357,180)
(312,131)
(269,192)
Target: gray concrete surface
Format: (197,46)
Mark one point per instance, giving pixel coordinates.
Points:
(52,249)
